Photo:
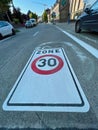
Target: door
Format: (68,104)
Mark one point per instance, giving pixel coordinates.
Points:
(94,16)
(5,29)
(90,20)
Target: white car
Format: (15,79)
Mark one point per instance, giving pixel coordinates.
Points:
(33,22)
(6,29)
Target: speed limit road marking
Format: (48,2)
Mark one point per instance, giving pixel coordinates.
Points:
(47,83)
(47,64)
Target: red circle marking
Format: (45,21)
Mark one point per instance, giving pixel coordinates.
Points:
(47,72)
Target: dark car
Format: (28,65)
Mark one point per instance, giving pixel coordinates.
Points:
(88,20)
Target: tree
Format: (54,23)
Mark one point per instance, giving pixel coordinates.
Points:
(24,17)
(35,16)
(8,16)
(45,17)
(17,15)
(4,7)
(32,15)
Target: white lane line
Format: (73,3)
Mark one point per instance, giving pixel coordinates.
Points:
(5,39)
(85,45)
(35,34)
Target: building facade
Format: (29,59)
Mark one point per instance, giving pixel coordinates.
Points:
(76,8)
(69,8)
(56,9)
(61,8)
(48,14)
(64,10)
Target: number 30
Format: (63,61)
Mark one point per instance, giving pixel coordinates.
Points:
(50,62)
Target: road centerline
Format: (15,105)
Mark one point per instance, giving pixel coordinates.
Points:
(35,33)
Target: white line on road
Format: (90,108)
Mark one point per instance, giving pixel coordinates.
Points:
(85,45)
(35,34)
(5,39)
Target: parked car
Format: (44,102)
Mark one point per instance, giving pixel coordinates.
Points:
(34,23)
(88,20)
(6,29)
(28,24)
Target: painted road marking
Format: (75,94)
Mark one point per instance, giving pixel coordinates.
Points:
(85,45)
(1,41)
(35,34)
(47,64)
(47,83)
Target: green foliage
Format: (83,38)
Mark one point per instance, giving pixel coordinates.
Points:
(4,5)
(45,17)
(17,15)
(32,15)
(16,21)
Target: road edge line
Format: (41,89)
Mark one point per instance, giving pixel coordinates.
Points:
(85,45)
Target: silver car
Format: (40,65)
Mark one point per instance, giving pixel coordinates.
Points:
(28,24)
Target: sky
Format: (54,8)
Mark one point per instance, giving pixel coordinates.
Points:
(36,6)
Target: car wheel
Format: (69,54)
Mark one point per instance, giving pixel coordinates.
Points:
(13,32)
(77,27)
(1,37)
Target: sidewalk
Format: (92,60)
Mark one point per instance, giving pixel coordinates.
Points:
(19,27)
(65,26)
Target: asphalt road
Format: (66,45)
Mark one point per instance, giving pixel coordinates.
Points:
(15,51)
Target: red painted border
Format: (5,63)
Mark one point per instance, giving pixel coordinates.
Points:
(47,72)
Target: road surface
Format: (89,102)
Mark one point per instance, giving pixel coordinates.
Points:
(82,52)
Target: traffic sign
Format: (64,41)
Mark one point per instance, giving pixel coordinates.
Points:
(47,83)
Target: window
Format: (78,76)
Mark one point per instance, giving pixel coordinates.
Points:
(95,6)
(2,24)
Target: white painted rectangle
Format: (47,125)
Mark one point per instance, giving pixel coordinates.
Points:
(47,83)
